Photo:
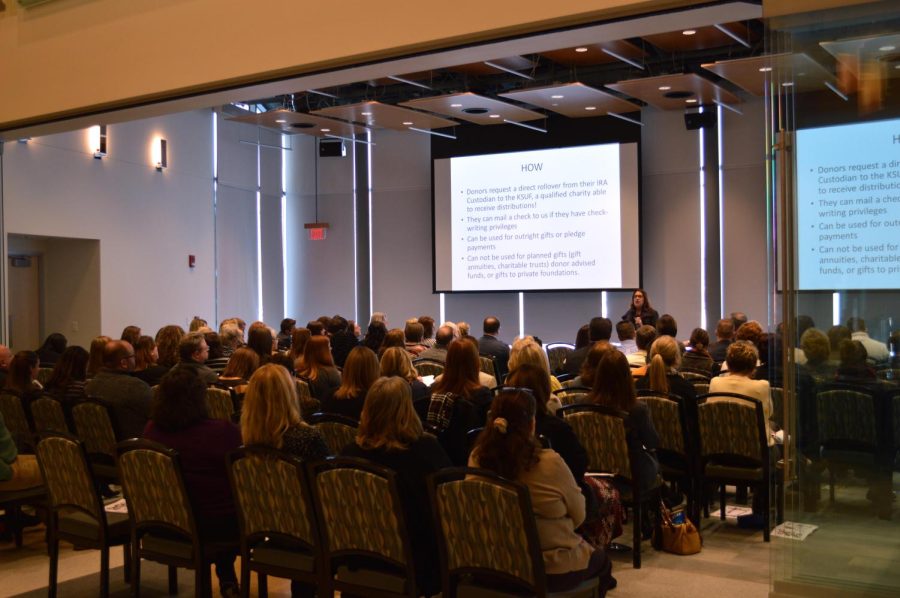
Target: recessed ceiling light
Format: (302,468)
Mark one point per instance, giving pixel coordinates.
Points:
(887,48)
(280,121)
(765,69)
(581,50)
(590,107)
(325,130)
(787,84)
(688,32)
(407,123)
(456,105)
(366,113)
(691,101)
(495,116)
(665,87)
(557,97)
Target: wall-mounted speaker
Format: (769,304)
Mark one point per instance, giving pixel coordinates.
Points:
(698,120)
(332,148)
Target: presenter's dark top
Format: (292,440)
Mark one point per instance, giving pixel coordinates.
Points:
(648,316)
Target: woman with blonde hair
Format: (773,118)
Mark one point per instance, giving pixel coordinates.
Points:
(359,373)
(662,373)
(397,362)
(391,435)
(526,350)
(271,415)
(317,368)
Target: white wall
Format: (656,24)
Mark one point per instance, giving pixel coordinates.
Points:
(147,222)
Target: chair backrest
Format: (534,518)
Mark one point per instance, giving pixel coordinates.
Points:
(731,425)
(219,404)
(302,389)
(428,367)
(16,421)
(701,388)
(570,395)
(694,375)
(350,491)
(603,433)
(667,414)
(271,497)
(486,526)
(48,415)
(489,366)
(94,427)
(337,431)
(846,416)
(70,483)
(557,353)
(154,487)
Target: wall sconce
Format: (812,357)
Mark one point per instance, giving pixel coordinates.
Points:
(97,141)
(160,155)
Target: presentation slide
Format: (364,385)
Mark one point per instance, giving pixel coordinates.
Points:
(848,207)
(564,218)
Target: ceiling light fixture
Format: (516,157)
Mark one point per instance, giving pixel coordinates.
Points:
(691,101)
(159,155)
(665,87)
(456,105)
(765,69)
(366,113)
(407,123)
(581,50)
(494,116)
(787,84)
(887,48)
(689,32)
(557,97)
(590,107)
(280,121)
(325,130)
(97,142)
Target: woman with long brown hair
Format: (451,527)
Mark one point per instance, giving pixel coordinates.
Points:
(66,381)
(299,338)
(146,361)
(359,373)
(613,387)
(95,355)
(458,401)
(167,340)
(508,447)
(317,368)
(391,435)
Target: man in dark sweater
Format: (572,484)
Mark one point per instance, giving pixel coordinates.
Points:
(490,344)
(599,329)
(724,336)
(128,396)
(342,339)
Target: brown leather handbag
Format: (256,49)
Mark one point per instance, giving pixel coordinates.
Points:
(678,538)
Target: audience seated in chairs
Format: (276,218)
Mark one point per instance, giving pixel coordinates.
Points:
(742,358)
(317,368)
(342,339)
(508,447)
(146,361)
(599,329)
(128,397)
(391,434)
(697,357)
(299,338)
(240,368)
(724,336)
(52,349)
(585,379)
(20,379)
(458,400)
(662,373)
(604,508)
(261,340)
(396,362)
(527,350)
(359,373)
(413,335)
(192,354)
(217,360)
(168,338)
(180,422)
(66,382)
(644,338)
(438,350)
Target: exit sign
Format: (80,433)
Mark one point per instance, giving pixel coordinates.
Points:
(317,230)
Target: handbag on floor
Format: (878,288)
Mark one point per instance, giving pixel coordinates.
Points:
(678,538)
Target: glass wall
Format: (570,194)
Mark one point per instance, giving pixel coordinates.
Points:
(834,180)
